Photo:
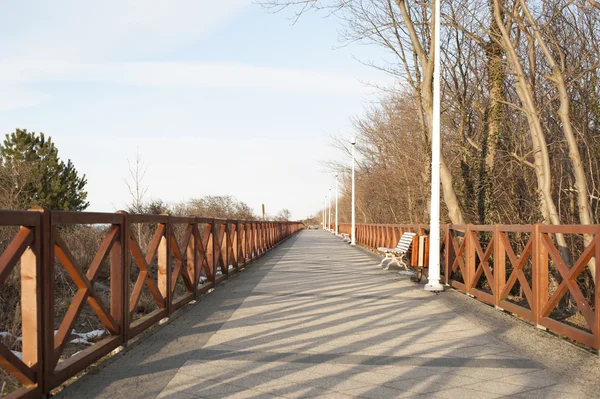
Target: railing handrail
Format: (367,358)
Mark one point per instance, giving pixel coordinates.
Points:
(222,243)
(466,261)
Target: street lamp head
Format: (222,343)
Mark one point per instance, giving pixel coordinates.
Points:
(353,140)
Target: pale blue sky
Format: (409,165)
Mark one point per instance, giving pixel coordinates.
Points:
(220,97)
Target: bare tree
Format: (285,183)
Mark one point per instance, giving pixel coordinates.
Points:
(404,30)
(283,215)
(136,187)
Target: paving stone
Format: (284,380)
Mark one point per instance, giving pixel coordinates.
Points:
(379,392)
(548,393)
(463,393)
(176,394)
(293,390)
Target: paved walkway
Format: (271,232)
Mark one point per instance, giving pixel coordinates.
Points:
(318,318)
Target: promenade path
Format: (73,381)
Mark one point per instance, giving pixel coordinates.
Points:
(317,317)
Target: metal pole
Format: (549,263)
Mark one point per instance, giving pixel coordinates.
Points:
(337,231)
(329,205)
(434,224)
(353,232)
(323,215)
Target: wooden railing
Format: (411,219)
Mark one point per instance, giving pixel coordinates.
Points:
(184,258)
(517,268)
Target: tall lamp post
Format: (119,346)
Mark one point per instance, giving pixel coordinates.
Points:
(434,225)
(329,205)
(353,232)
(323,214)
(337,230)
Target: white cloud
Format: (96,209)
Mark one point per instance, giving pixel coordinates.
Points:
(18,97)
(89,31)
(185,75)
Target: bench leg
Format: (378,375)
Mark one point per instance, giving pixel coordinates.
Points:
(382,263)
(387,266)
(393,260)
(403,263)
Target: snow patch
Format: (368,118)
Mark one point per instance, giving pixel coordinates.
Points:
(80,341)
(84,338)
(92,334)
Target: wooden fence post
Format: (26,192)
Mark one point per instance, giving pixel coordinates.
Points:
(119,305)
(32,300)
(499,265)
(192,257)
(211,254)
(164,263)
(224,227)
(48,303)
(448,253)
(470,258)
(540,275)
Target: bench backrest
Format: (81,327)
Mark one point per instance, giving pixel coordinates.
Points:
(405,242)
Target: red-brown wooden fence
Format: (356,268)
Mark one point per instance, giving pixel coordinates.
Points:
(492,262)
(207,245)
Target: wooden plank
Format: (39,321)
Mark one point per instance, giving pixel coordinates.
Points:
(540,274)
(515,228)
(154,244)
(137,291)
(183,219)
(125,240)
(568,331)
(15,367)
(48,277)
(570,229)
(483,296)
(117,281)
(32,298)
(20,218)
(76,363)
(479,227)
(176,305)
(143,266)
(205,288)
(521,311)
(164,267)
(67,260)
(144,323)
(12,253)
(103,252)
(176,272)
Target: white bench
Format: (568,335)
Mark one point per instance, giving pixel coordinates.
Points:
(396,255)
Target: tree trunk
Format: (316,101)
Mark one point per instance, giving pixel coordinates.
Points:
(539,144)
(496,76)
(564,114)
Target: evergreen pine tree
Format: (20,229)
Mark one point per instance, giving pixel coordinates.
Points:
(49,182)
